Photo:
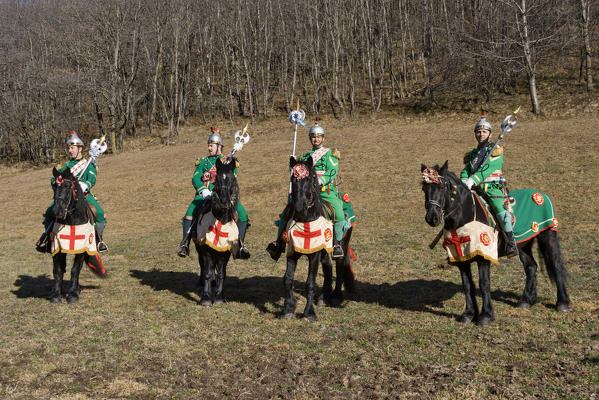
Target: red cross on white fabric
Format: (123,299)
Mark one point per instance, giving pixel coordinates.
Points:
(218,233)
(307,235)
(456,241)
(72,238)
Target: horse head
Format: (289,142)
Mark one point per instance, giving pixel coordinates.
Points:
(305,190)
(225,192)
(444,194)
(69,199)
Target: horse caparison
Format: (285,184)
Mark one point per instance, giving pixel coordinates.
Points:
(70,208)
(213,264)
(449,201)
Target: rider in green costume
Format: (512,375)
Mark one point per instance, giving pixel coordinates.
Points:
(326,164)
(87,180)
(489,179)
(203,180)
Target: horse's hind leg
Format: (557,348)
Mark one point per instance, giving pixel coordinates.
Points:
(221,274)
(529,296)
(327,285)
(207,270)
(75,289)
(289,305)
(59,264)
(549,246)
(471,311)
(314,261)
(484,282)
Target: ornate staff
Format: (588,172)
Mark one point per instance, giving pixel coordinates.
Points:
(241,137)
(507,125)
(296,116)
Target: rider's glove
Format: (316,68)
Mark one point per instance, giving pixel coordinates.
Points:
(206,193)
(469,182)
(84,187)
(94,151)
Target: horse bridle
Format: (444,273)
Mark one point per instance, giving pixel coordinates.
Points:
(60,181)
(447,190)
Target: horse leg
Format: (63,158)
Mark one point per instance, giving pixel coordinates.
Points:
(200,282)
(529,296)
(221,270)
(327,285)
(59,261)
(484,282)
(549,246)
(313,262)
(471,311)
(289,305)
(75,289)
(207,270)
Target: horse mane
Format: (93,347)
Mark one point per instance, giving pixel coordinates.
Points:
(224,211)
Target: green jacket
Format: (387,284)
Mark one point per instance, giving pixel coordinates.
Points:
(88,177)
(326,167)
(490,173)
(205,173)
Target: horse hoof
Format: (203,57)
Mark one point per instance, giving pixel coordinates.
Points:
(310,317)
(219,302)
(335,302)
(523,304)
(483,321)
(466,318)
(55,299)
(320,302)
(286,316)
(562,307)
(72,299)
(206,303)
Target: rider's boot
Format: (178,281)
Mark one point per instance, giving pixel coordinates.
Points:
(338,231)
(511,248)
(276,248)
(183,246)
(243,252)
(43,243)
(99,231)
(337,250)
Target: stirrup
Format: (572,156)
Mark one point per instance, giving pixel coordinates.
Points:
(274,250)
(43,244)
(337,252)
(183,250)
(243,253)
(102,248)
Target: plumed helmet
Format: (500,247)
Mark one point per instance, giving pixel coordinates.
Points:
(215,136)
(316,129)
(483,123)
(74,140)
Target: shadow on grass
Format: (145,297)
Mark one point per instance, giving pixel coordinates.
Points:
(40,286)
(257,290)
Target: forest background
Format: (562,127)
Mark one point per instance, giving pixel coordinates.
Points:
(139,70)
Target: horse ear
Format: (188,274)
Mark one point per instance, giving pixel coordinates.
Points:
(218,164)
(310,162)
(55,172)
(444,168)
(292,161)
(422,167)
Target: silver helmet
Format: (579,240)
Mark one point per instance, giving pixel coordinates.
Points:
(483,123)
(316,130)
(74,139)
(215,136)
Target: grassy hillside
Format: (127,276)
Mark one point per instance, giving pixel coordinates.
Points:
(140,334)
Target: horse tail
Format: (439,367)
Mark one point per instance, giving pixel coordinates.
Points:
(549,249)
(349,279)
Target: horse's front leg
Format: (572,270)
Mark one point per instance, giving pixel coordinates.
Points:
(221,274)
(484,282)
(75,289)
(313,262)
(59,265)
(471,311)
(288,279)
(207,270)
(327,285)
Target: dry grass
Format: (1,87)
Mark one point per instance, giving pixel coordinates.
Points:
(141,333)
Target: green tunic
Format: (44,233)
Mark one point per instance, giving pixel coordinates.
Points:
(89,178)
(489,178)
(203,178)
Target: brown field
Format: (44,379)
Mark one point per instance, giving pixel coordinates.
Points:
(140,333)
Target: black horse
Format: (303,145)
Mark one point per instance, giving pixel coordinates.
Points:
(450,200)
(213,264)
(70,208)
(343,275)
(305,205)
